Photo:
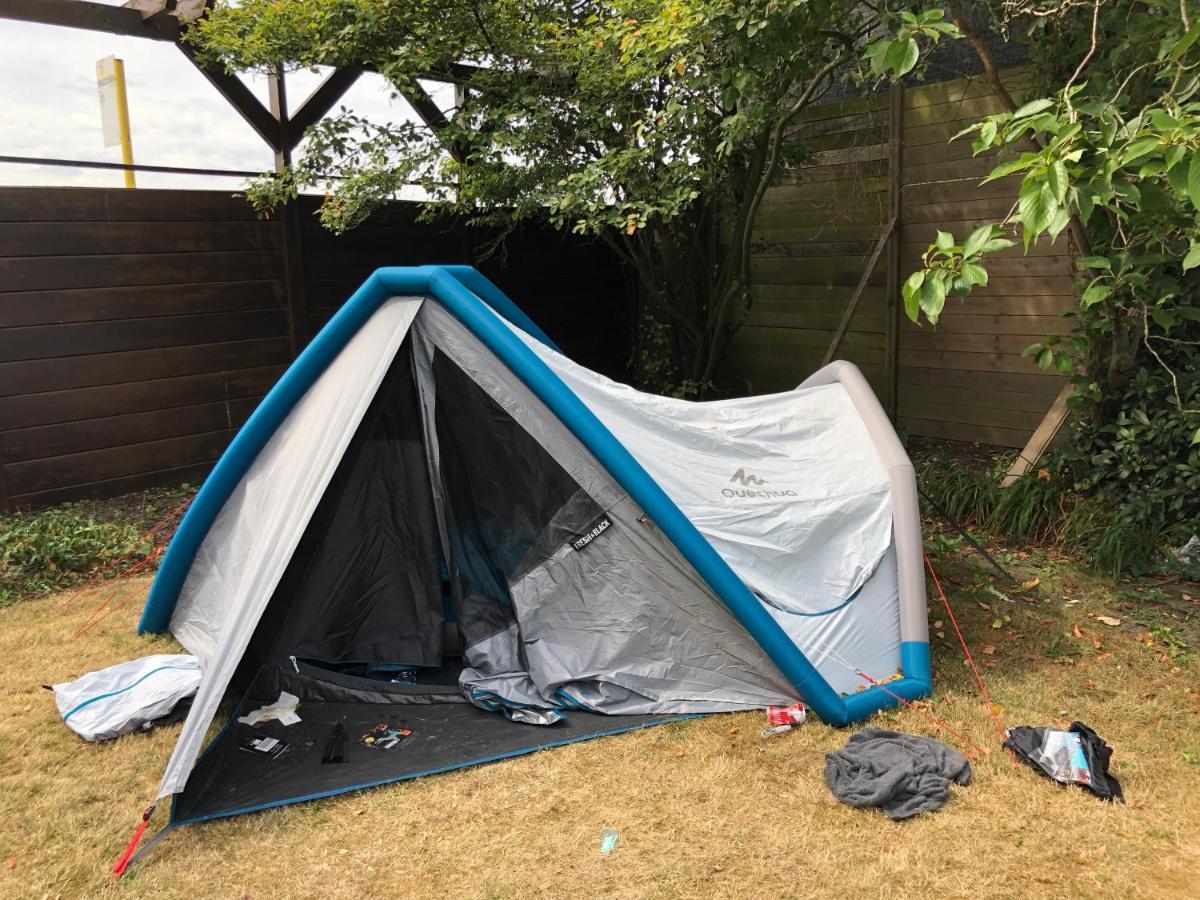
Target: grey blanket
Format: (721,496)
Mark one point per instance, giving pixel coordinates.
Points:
(900,773)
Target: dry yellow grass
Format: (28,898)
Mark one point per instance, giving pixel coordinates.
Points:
(704,808)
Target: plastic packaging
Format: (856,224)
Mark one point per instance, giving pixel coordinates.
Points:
(1061,757)
(608,841)
(776,729)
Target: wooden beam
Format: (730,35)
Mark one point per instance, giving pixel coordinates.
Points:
(292,238)
(891,346)
(91,17)
(1042,436)
(432,115)
(241,98)
(884,240)
(319,102)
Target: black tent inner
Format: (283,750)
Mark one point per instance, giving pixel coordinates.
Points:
(368,621)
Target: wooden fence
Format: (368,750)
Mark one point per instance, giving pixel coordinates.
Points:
(139,329)
(875,156)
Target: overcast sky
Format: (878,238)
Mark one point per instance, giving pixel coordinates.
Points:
(51,108)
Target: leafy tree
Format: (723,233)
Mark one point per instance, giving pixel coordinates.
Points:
(1107,149)
(655,126)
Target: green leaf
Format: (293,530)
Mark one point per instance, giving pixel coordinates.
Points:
(1196,437)
(976,240)
(1064,363)
(999,243)
(1032,108)
(1036,206)
(1031,350)
(1045,358)
(1177,178)
(1138,149)
(1095,262)
(1056,175)
(902,55)
(944,240)
(1094,294)
(1194,180)
(1013,165)
(910,291)
(1192,259)
(933,296)
(973,273)
(1182,45)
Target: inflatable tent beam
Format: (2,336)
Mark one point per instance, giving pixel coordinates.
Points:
(460,289)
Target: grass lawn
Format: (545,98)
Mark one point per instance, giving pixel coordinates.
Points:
(704,808)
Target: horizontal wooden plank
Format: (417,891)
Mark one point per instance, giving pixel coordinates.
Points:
(864,320)
(974,362)
(406,241)
(936,409)
(34,476)
(863,103)
(959,431)
(942,131)
(1032,382)
(846,124)
(851,192)
(38,273)
(817,231)
(819,297)
(1009,267)
(72,238)
(959,190)
(750,374)
(1006,305)
(193,474)
(916,238)
(975,107)
(804,249)
(76,339)
(49,204)
(25,308)
(930,339)
(865,220)
(806,174)
(131,428)
(35,376)
(824,270)
(926,154)
(1014,80)
(785,343)
(982,398)
(857,154)
(992,209)
(28,410)
(950,327)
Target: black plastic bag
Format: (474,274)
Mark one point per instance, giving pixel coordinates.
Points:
(1076,756)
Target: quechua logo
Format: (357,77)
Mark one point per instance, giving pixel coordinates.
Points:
(745,480)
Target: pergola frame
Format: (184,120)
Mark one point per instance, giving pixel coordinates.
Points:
(280,128)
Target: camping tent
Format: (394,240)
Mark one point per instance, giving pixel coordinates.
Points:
(435,517)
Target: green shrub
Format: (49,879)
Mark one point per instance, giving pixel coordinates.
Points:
(50,549)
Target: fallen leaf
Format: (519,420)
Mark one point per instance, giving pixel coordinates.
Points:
(1043,474)
(997,623)
(1031,583)
(10,863)
(1075,630)
(937,624)
(1108,620)
(989,649)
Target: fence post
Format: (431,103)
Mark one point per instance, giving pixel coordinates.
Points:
(891,348)
(292,243)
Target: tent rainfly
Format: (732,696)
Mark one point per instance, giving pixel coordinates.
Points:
(436,523)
